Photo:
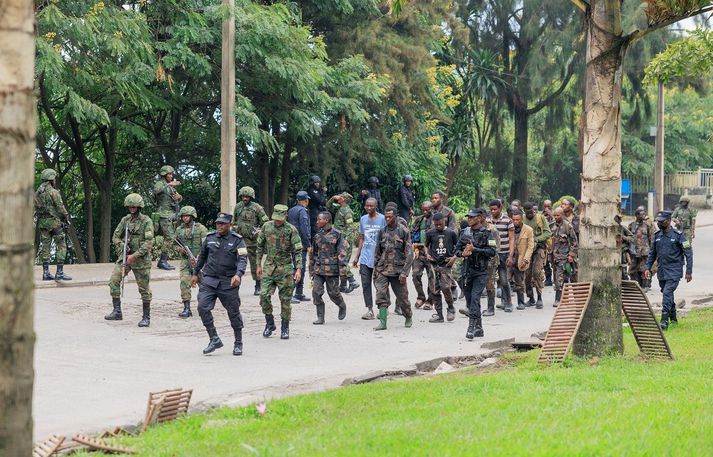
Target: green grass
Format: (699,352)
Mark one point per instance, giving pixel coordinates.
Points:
(620,406)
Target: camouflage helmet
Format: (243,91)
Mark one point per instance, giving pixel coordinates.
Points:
(246,191)
(188,211)
(48,174)
(166,169)
(684,199)
(134,200)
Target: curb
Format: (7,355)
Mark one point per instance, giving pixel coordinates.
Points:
(91,282)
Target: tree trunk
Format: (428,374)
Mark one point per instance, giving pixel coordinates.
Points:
(108,140)
(264,184)
(17,156)
(451,173)
(518,186)
(88,206)
(285,174)
(599,257)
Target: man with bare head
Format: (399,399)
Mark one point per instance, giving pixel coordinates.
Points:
(547,212)
(369,226)
(420,226)
(564,251)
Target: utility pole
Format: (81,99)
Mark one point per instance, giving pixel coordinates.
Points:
(228,163)
(659,165)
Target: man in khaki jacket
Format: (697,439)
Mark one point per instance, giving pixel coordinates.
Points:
(524,247)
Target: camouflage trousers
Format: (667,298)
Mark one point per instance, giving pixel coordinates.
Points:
(420,264)
(143,281)
(443,285)
(284,285)
(349,261)
(518,279)
(535,277)
(166,228)
(492,281)
(252,256)
(637,268)
(559,276)
(382,283)
(185,280)
(47,235)
(332,283)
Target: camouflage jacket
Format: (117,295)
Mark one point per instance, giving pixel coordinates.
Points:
(494,262)
(247,220)
(685,219)
(449,215)
(419,227)
(643,237)
(329,254)
(565,241)
(163,196)
(192,237)
(344,222)
(394,254)
(279,245)
(140,239)
(49,207)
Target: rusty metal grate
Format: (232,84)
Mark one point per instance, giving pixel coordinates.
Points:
(566,321)
(642,321)
(166,405)
(95,444)
(48,447)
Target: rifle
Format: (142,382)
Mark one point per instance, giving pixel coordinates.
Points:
(124,257)
(191,257)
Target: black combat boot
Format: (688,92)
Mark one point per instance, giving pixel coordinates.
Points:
(186,310)
(558,296)
(320,315)
(343,285)
(508,307)
(269,326)
(664,321)
(238,345)
(470,333)
(437,318)
(352,284)
(59,275)
(672,317)
(491,305)
(257,287)
(478,331)
(146,319)
(530,298)
(46,275)
(163,263)
(342,311)
(548,275)
(397,311)
(115,314)
(521,301)
(214,342)
(538,303)
(285,330)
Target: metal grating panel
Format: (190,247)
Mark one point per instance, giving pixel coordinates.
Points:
(166,405)
(99,445)
(566,321)
(48,447)
(642,321)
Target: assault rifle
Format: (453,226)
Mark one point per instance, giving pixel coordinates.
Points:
(124,257)
(191,257)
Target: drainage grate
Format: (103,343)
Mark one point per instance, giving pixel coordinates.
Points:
(642,321)
(565,323)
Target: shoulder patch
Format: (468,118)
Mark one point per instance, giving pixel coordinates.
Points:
(491,243)
(242,251)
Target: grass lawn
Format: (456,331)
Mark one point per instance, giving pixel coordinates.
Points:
(619,406)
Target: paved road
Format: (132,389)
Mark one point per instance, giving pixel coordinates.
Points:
(92,374)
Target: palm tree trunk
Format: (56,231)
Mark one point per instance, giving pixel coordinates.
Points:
(17,142)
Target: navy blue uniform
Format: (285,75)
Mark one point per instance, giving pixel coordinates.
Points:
(300,218)
(475,266)
(407,198)
(221,258)
(669,249)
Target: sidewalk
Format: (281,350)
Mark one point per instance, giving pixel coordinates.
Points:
(97,274)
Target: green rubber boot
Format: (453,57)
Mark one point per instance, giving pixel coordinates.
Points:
(383,312)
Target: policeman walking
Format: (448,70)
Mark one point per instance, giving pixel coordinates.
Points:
(222,260)
(669,249)
(300,219)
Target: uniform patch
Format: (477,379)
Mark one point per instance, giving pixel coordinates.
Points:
(491,243)
(242,251)
(686,244)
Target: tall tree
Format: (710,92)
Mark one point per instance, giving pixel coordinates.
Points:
(17,141)
(599,257)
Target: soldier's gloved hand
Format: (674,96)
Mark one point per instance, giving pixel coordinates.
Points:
(194,280)
(402,279)
(235,281)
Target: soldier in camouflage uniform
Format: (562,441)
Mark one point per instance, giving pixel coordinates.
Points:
(52,216)
(536,272)
(564,250)
(685,218)
(623,242)
(167,204)
(327,263)
(280,243)
(643,239)
(344,222)
(420,226)
(392,262)
(140,242)
(248,218)
(191,234)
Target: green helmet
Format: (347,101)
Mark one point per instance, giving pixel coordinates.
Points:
(48,174)
(134,200)
(683,199)
(247,190)
(188,211)
(166,169)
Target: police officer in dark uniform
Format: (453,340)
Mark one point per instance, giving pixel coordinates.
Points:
(476,245)
(222,260)
(669,249)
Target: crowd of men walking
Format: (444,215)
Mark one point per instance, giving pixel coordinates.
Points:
(511,251)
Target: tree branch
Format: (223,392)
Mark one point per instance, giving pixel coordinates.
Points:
(548,99)
(50,116)
(639,34)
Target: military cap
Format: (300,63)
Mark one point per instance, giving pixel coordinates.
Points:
(279,213)
(684,198)
(224,218)
(166,169)
(346,196)
(663,215)
(476,212)
(302,195)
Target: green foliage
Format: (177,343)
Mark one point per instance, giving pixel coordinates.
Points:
(690,57)
(619,405)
